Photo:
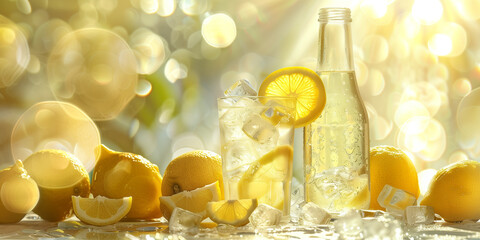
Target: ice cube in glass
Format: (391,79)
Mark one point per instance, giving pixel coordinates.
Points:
(184,221)
(241,88)
(260,129)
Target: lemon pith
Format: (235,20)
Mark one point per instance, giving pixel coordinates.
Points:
(299,82)
(232,212)
(194,201)
(101,211)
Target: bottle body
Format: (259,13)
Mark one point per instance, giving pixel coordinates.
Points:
(336,145)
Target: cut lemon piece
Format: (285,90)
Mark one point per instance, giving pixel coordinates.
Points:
(101,211)
(265,178)
(232,212)
(193,201)
(299,82)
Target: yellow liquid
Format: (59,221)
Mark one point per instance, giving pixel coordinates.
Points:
(336,148)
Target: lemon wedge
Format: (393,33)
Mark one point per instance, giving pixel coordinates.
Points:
(232,212)
(265,178)
(101,211)
(194,201)
(299,82)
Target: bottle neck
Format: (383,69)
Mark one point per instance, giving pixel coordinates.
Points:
(335,40)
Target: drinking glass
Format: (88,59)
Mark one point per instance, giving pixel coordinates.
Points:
(256,136)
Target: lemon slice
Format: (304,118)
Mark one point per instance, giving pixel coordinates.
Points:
(193,201)
(232,212)
(264,179)
(299,82)
(101,211)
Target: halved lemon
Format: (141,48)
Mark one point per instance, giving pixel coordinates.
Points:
(193,201)
(299,82)
(264,179)
(232,212)
(101,211)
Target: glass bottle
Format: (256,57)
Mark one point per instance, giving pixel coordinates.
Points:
(336,145)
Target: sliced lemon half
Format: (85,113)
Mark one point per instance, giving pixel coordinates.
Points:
(232,212)
(193,201)
(101,211)
(299,82)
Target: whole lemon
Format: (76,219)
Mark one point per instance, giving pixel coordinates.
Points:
(454,192)
(122,174)
(189,171)
(18,193)
(390,165)
(59,175)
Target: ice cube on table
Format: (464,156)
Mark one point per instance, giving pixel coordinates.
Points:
(312,214)
(349,225)
(265,215)
(382,227)
(419,215)
(395,200)
(260,129)
(184,221)
(241,88)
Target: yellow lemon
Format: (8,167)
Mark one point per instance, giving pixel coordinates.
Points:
(59,175)
(454,192)
(264,179)
(101,211)
(193,201)
(299,82)
(18,193)
(122,174)
(192,170)
(390,165)
(232,212)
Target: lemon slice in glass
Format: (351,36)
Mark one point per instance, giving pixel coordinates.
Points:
(101,211)
(299,82)
(264,179)
(232,212)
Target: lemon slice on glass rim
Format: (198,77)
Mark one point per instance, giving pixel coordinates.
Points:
(299,82)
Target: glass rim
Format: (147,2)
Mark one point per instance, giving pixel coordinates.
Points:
(269,97)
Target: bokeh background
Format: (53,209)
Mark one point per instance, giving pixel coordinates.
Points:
(147,72)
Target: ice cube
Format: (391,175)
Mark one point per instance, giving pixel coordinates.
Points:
(312,214)
(241,88)
(260,129)
(275,112)
(383,227)
(395,200)
(184,221)
(419,215)
(349,225)
(340,185)
(238,155)
(265,215)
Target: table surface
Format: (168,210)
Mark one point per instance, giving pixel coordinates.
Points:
(34,228)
